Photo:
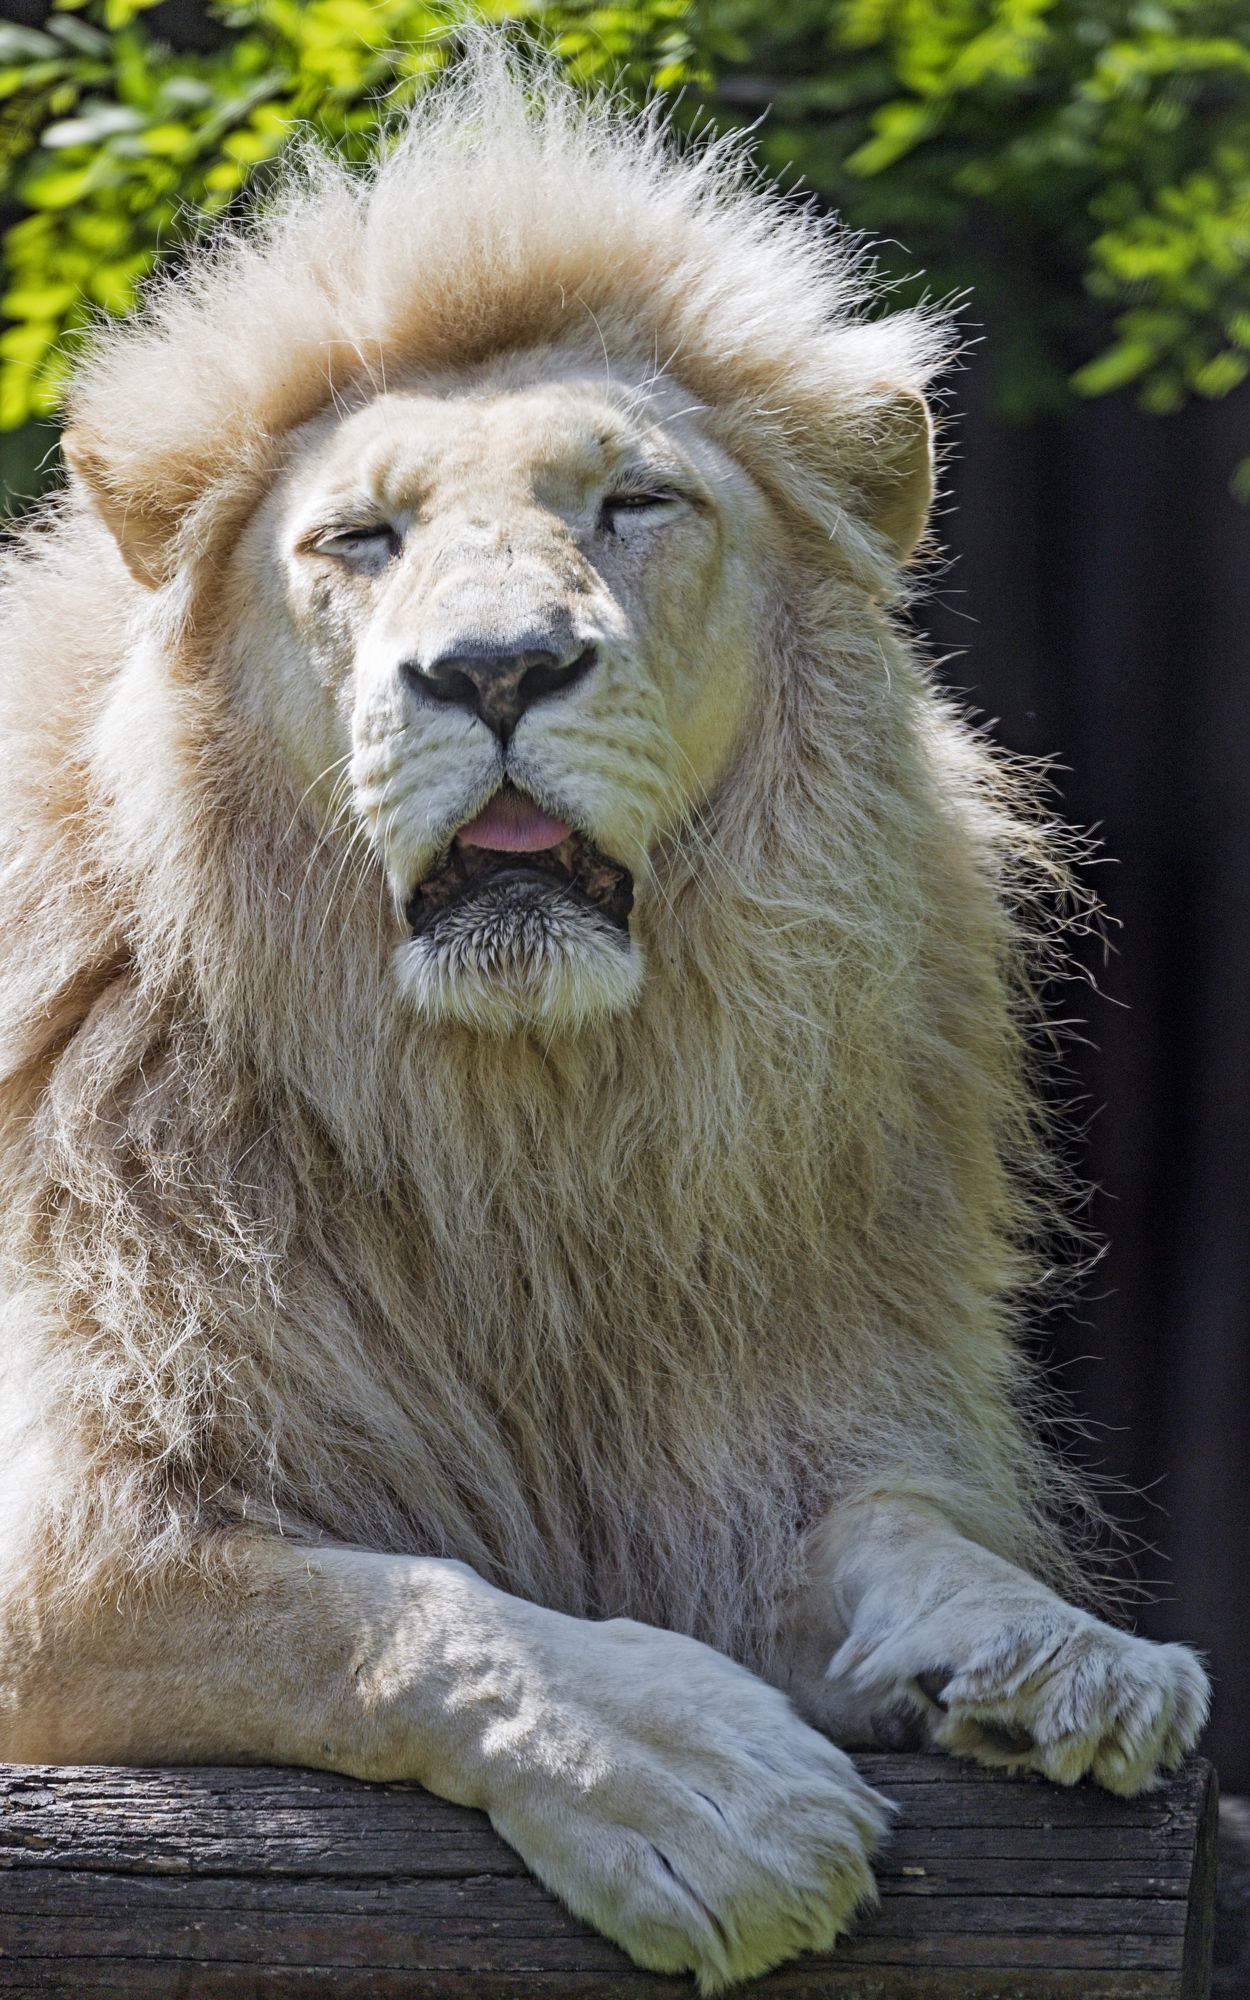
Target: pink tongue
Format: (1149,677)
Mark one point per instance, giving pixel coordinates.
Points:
(513,824)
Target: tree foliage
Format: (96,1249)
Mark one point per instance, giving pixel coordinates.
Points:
(1082,166)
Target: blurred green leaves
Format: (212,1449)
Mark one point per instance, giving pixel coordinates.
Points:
(1082,165)
(116,149)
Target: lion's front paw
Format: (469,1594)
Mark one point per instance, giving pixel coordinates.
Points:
(699,1822)
(1047,1689)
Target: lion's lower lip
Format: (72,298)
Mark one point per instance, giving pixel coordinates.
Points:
(572,871)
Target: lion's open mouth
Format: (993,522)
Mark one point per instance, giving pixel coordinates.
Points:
(511,882)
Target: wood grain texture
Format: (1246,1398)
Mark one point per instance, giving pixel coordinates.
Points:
(207,1884)
(1231,1979)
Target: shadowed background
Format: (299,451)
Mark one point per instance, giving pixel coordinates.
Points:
(1100,602)
(1083,168)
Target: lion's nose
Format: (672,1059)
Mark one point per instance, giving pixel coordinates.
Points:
(498,686)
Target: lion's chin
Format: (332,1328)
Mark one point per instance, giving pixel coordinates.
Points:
(520,955)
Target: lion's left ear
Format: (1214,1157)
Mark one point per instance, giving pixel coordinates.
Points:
(896,480)
(143,531)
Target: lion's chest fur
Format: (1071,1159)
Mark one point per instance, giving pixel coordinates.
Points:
(590,1409)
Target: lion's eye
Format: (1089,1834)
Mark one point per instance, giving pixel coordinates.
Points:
(620,508)
(368,548)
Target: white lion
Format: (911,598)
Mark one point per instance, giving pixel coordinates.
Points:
(518,1149)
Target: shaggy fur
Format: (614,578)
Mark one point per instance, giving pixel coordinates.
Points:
(614,1315)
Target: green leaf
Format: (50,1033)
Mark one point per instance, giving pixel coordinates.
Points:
(225,177)
(114,286)
(1121,364)
(23,45)
(168,140)
(79,35)
(249,145)
(60,190)
(29,77)
(16,406)
(30,342)
(100,231)
(63,189)
(898,129)
(1223,373)
(94,124)
(46,302)
(1162,395)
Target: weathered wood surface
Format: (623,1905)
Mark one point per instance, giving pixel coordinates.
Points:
(1232,1903)
(206,1884)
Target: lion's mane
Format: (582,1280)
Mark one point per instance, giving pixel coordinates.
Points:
(611,1319)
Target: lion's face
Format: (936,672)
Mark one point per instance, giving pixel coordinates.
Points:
(513,613)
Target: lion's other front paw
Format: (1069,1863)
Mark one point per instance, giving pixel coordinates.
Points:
(686,1811)
(1045,1688)
(1094,1702)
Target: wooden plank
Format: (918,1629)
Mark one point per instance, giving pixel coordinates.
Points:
(195,1883)
(1200,1914)
(159,1980)
(1231,1976)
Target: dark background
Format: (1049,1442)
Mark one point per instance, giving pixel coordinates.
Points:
(1099,602)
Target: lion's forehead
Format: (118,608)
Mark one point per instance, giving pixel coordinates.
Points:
(549,436)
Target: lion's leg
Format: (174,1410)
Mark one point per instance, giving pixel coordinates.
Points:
(908,1622)
(669,1796)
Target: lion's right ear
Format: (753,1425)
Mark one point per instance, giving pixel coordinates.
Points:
(897,485)
(143,531)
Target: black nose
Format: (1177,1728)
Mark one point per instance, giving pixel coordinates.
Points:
(498,687)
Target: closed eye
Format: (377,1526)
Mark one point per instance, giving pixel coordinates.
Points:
(369,547)
(620,508)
